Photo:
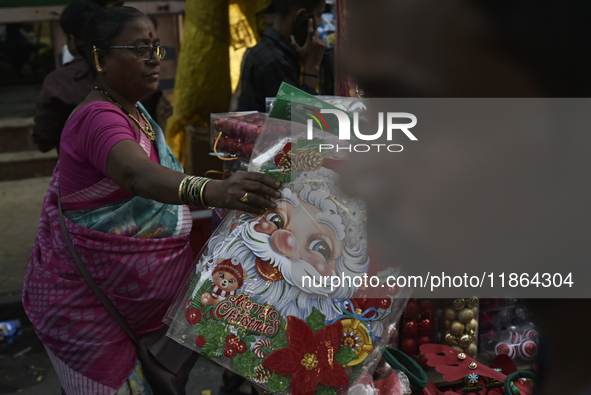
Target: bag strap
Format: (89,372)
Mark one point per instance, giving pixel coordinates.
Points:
(86,274)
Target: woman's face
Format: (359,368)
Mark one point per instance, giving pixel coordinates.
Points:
(130,77)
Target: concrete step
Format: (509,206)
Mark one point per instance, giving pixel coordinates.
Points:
(14,134)
(26,164)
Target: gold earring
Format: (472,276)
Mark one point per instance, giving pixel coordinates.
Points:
(96,60)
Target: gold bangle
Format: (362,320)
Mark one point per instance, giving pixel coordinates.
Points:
(201,192)
(191,190)
(181,187)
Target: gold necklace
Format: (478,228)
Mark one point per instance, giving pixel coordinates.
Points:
(146,129)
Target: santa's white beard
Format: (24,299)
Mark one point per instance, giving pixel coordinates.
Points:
(293,295)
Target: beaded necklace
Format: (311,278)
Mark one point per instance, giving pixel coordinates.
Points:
(146,129)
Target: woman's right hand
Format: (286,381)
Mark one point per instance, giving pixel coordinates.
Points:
(245,191)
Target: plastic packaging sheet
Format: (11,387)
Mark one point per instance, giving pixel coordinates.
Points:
(262,299)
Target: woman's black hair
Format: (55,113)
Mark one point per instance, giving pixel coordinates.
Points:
(103,27)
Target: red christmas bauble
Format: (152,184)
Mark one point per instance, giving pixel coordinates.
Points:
(424,339)
(412,309)
(425,306)
(530,334)
(200,341)
(385,303)
(193,316)
(231,339)
(230,351)
(365,303)
(409,346)
(527,350)
(425,326)
(241,347)
(505,348)
(410,329)
(392,290)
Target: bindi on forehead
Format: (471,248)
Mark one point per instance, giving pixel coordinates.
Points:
(150,34)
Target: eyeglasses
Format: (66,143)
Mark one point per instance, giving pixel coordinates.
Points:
(145,52)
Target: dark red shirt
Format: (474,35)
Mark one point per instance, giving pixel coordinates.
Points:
(60,94)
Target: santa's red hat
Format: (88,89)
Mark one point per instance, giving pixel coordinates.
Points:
(233,267)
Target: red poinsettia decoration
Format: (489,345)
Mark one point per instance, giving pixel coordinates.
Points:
(309,357)
(283,158)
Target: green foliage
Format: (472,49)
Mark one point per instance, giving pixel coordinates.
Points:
(245,363)
(205,287)
(344,355)
(248,340)
(211,350)
(315,320)
(324,390)
(279,341)
(355,373)
(266,350)
(213,331)
(279,383)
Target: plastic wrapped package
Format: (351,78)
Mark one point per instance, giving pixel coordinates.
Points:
(459,325)
(349,104)
(263,299)
(234,134)
(418,326)
(518,342)
(506,328)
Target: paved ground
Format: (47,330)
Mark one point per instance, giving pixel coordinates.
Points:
(32,373)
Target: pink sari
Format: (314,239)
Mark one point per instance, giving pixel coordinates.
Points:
(91,353)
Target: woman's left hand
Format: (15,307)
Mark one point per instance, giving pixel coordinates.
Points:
(246,191)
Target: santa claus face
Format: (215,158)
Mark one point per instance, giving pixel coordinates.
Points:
(225,281)
(296,234)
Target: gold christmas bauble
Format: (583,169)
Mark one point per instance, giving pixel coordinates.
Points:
(473,324)
(458,304)
(456,328)
(466,315)
(472,302)
(472,349)
(450,339)
(465,340)
(446,324)
(449,314)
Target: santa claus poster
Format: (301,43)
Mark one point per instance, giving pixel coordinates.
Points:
(263,299)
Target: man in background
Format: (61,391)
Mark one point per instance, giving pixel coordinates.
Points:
(66,87)
(290,45)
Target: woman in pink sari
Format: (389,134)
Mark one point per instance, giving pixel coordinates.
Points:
(124,198)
